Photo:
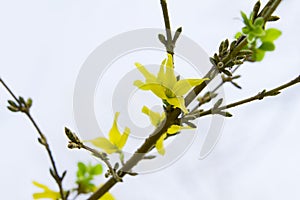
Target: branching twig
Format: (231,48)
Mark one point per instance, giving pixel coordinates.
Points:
(266,12)
(259,96)
(76,143)
(103,157)
(43,141)
(169,40)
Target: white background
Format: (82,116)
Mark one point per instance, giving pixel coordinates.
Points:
(43,44)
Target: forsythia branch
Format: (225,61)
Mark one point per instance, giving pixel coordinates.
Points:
(173,115)
(259,96)
(266,12)
(43,140)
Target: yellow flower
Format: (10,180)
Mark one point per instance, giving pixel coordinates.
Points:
(46,194)
(115,141)
(107,196)
(156,118)
(165,85)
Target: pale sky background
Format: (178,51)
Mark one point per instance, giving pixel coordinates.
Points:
(45,42)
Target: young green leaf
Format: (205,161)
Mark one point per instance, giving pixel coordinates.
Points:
(245,19)
(259,22)
(96,170)
(267,46)
(259,55)
(271,35)
(81,169)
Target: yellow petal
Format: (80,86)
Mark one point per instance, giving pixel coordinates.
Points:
(148,76)
(178,102)
(107,196)
(170,78)
(161,74)
(37,184)
(160,144)
(46,194)
(138,83)
(170,61)
(114,133)
(105,144)
(185,85)
(155,117)
(170,74)
(123,138)
(156,88)
(174,129)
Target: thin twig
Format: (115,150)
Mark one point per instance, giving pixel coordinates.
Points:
(9,90)
(215,89)
(104,159)
(57,177)
(169,43)
(259,96)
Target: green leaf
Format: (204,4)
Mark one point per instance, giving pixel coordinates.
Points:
(259,55)
(245,19)
(259,22)
(238,35)
(81,169)
(267,46)
(271,35)
(251,38)
(258,31)
(251,18)
(96,170)
(245,30)
(85,176)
